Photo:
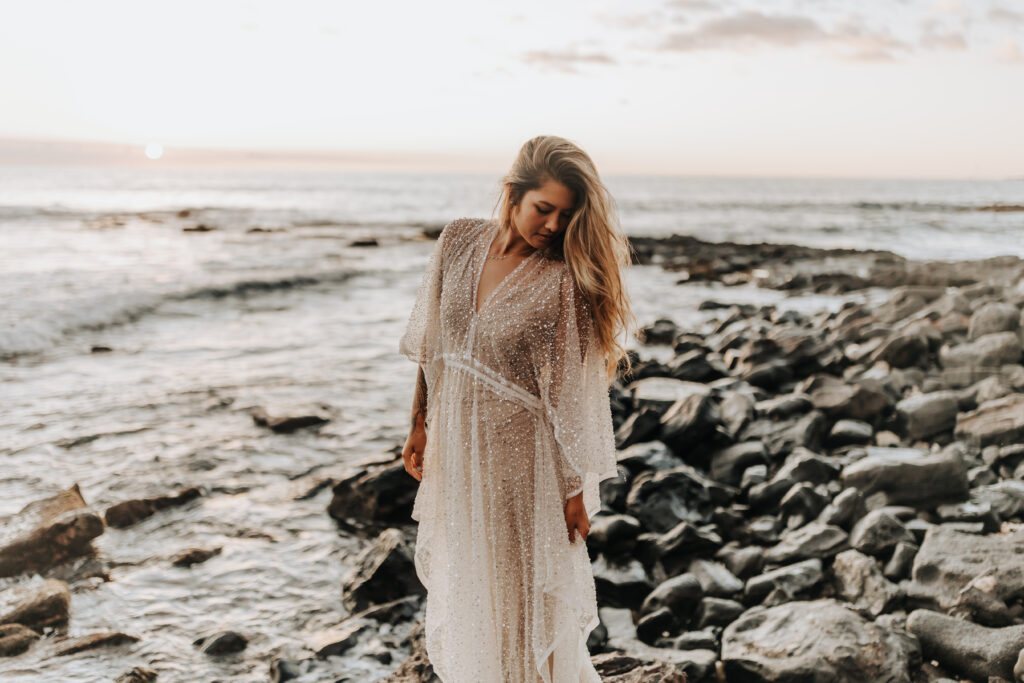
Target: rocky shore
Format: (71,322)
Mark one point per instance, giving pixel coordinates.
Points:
(803,497)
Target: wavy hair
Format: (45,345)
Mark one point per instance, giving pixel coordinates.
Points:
(592,245)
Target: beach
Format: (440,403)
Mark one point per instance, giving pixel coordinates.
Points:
(157,325)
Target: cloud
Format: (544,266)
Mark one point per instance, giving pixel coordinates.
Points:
(936,38)
(566,60)
(751,29)
(747,29)
(1001,14)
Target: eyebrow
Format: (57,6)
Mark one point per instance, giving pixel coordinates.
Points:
(544,201)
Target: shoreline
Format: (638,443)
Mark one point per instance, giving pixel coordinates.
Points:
(765,363)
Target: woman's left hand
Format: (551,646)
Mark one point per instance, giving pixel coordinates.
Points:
(576,517)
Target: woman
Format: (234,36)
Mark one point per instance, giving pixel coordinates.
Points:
(515,330)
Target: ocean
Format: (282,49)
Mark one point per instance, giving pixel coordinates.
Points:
(218,291)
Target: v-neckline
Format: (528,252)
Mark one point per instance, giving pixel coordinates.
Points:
(488,243)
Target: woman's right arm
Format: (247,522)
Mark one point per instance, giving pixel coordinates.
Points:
(412,453)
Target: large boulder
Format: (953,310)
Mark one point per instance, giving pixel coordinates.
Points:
(970,650)
(385,494)
(36,604)
(967,363)
(949,560)
(383,572)
(48,532)
(1000,421)
(925,415)
(909,476)
(821,640)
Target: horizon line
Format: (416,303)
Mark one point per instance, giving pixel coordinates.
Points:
(107,153)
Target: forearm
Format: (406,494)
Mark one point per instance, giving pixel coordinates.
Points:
(419,402)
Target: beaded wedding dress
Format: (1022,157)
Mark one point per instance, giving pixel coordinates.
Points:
(518,420)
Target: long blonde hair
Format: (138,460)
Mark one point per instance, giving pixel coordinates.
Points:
(592,245)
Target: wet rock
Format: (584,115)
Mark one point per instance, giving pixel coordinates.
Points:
(70,646)
(195,556)
(647,455)
(925,415)
(138,674)
(622,636)
(970,650)
(909,476)
(417,668)
(680,593)
(802,465)
(643,425)
(792,580)
(742,562)
(718,612)
(37,604)
(844,509)
(661,393)
(382,572)
(878,532)
(47,532)
(689,422)
(383,494)
(801,504)
(728,464)
(972,361)
(658,624)
(994,316)
(613,534)
(814,540)
(847,432)
(1005,500)
(785,405)
(863,400)
(902,350)
(697,366)
(858,580)
(814,641)
(781,437)
(997,422)
(948,560)
(286,421)
(715,580)
(696,640)
(342,638)
(619,667)
(129,512)
(620,583)
(685,539)
(662,331)
(898,566)
(682,494)
(15,639)
(221,643)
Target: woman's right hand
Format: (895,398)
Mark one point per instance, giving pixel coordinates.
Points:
(412,453)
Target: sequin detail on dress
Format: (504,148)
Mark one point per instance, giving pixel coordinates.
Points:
(518,420)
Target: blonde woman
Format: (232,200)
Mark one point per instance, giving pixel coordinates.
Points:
(515,329)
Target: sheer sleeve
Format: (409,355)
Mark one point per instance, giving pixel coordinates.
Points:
(421,342)
(574,389)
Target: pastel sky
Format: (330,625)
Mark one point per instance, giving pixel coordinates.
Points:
(897,88)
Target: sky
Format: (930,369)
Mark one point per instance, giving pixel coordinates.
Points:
(813,88)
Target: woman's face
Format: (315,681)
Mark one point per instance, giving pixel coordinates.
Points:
(543,213)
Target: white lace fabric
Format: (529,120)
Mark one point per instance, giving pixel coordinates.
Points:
(518,420)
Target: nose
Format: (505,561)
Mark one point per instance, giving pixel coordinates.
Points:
(552,222)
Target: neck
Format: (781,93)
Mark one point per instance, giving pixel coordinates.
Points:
(511,242)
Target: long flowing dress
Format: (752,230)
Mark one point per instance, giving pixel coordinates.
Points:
(518,420)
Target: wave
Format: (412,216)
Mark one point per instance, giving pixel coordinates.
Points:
(47,329)
(682,204)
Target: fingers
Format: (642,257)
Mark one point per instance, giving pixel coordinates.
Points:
(413,462)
